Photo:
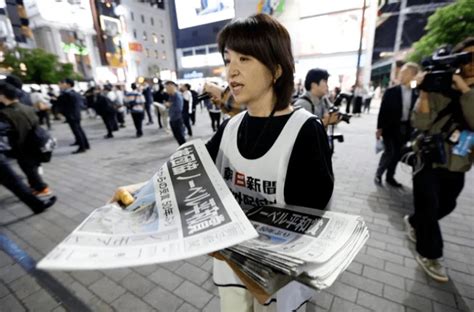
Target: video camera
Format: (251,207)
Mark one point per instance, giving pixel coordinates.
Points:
(440,68)
(343,117)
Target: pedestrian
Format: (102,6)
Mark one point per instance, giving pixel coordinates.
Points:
(117,96)
(135,103)
(23,96)
(214,114)
(22,120)
(159,98)
(393,123)
(437,185)
(105,108)
(41,104)
(70,104)
(187,108)
(175,105)
(148,94)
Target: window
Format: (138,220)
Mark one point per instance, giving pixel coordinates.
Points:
(145,38)
(213,50)
(200,51)
(143,19)
(152,21)
(155,38)
(162,39)
(134,34)
(187,52)
(132,16)
(147,52)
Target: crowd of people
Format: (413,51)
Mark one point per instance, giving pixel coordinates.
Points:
(273,125)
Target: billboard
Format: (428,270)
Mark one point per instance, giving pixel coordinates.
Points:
(191,13)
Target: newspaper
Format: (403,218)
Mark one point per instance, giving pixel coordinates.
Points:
(184,210)
(297,243)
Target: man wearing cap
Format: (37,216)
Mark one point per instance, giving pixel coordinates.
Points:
(175,104)
(69,103)
(23,97)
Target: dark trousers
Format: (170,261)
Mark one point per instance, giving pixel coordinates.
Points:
(366,107)
(434,192)
(148,112)
(13,182)
(177,128)
(390,156)
(192,116)
(121,118)
(110,122)
(43,117)
(215,120)
(79,134)
(138,122)
(30,167)
(158,116)
(186,123)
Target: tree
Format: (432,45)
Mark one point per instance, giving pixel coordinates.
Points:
(38,66)
(448,25)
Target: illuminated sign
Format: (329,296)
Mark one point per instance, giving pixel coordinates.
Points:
(190,13)
(135,46)
(74,48)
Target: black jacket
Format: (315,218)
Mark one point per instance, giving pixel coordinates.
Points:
(21,119)
(70,105)
(390,114)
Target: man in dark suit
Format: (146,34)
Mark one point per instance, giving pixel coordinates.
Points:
(70,105)
(393,124)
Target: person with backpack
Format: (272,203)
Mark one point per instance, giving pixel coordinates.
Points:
(13,182)
(23,121)
(70,104)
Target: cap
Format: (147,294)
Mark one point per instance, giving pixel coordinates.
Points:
(14,81)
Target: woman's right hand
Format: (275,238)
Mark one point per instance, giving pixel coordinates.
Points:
(123,194)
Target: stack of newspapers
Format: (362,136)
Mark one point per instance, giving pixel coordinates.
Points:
(186,210)
(297,243)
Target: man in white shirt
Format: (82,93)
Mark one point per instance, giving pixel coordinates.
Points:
(187,107)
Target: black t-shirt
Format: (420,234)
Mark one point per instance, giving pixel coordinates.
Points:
(309,180)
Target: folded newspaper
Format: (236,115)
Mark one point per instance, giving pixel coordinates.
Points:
(187,210)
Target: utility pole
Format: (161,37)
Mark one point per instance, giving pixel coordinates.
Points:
(398,39)
(359,53)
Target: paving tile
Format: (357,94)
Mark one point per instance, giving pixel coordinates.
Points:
(213,305)
(432,293)
(385,255)
(163,300)
(385,277)
(40,301)
(117,274)
(192,273)
(128,302)
(362,282)
(5,259)
(407,299)
(378,304)
(10,303)
(340,304)
(322,299)
(137,284)
(193,294)
(343,290)
(107,289)
(167,279)
(186,307)
(10,272)
(24,286)
(87,277)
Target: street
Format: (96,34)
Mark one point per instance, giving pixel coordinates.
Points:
(384,276)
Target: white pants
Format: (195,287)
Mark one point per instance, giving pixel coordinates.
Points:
(163,112)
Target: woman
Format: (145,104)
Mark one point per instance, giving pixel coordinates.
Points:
(282,153)
(269,135)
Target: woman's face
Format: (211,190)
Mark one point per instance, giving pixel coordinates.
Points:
(249,80)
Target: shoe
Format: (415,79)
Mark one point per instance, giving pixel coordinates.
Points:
(139,135)
(377,179)
(46,192)
(46,204)
(78,151)
(108,136)
(434,268)
(394,183)
(411,234)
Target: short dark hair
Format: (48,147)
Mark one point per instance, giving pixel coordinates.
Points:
(264,38)
(68,81)
(315,75)
(171,82)
(8,90)
(188,86)
(466,43)
(14,81)
(134,86)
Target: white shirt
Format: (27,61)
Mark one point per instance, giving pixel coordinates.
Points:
(406,102)
(187,96)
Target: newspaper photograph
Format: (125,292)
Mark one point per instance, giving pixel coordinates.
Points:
(184,210)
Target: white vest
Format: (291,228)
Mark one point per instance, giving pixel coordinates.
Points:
(257,182)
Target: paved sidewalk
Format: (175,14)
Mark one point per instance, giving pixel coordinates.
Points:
(384,276)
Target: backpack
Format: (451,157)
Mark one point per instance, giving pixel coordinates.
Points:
(307,99)
(40,143)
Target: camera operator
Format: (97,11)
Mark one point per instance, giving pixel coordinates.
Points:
(440,181)
(393,123)
(314,99)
